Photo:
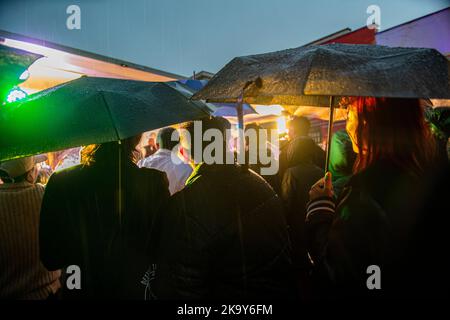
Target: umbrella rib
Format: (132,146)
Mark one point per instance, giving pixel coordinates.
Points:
(310,65)
(110,114)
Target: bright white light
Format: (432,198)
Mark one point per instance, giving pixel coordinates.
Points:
(15,94)
(43,75)
(281,125)
(35,48)
(24,76)
(268,110)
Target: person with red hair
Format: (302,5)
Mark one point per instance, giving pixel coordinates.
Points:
(376,240)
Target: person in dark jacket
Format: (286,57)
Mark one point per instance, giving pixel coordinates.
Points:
(297,181)
(299,129)
(342,158)
(102,217)
(224,235)
(377,241)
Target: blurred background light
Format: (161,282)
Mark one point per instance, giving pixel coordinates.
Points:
(281,125)
(25,75)
(16,94)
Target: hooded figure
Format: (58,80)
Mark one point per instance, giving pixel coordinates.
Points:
(342,159)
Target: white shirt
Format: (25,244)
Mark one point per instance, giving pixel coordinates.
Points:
(177,174)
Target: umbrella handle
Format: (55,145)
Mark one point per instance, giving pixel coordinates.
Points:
(330,130)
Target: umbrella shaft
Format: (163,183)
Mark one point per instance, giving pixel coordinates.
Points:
(330,132)
(240,116)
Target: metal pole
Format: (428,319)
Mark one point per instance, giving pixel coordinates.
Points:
(240,116)
(120,183)
(330,130)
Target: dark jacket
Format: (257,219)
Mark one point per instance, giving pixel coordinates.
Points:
(224,236)
(316,154)
(272,180)
(84,222)
(388,218)
(298,179)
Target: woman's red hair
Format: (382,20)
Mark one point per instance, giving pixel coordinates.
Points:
(393,130)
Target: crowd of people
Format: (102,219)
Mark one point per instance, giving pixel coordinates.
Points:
(153,228)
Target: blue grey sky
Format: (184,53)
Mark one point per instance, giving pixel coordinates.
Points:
(181,36)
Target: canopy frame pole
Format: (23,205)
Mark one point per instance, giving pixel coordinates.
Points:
(330,131)
(240,116)
(120,202)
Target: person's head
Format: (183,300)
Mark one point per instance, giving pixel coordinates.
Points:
(391,129)
(164,139)
(301,151)
(193,134)
(152,139)
(108,153)
(298,126)
(19,170)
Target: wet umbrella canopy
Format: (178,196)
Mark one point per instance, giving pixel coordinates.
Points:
(314,75)
(291,77)
(91,110)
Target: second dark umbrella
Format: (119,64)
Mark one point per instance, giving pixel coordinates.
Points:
(91,110)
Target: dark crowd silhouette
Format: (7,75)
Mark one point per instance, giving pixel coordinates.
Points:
(141,226)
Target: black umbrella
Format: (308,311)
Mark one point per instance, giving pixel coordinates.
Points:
(92,110)
(313,76)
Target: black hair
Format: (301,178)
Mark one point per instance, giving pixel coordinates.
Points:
(108,152)
(301,125)
(164,138)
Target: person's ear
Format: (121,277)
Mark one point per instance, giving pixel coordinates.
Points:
(185,154)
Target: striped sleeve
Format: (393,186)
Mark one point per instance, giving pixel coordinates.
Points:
(323,207)
(22,275)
